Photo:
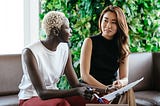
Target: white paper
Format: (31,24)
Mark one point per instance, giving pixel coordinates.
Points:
(120,91)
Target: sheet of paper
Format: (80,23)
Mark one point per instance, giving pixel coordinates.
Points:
(120,91)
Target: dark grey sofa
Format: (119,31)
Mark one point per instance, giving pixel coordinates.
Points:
(146,65)
(10,76)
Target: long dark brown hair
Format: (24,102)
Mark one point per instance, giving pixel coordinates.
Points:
(122,32)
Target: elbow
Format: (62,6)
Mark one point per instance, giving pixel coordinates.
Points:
(43,98)
(42,94)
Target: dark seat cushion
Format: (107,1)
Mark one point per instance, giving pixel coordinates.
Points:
(147,98)
(11,100)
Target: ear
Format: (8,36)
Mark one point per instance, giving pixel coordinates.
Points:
(55,31)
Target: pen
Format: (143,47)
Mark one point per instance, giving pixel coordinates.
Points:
(100,100)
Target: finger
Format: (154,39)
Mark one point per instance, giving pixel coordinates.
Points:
(89,90)
(88,96)
(115,82)
(94,91)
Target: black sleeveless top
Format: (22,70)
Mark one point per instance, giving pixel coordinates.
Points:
(104,59)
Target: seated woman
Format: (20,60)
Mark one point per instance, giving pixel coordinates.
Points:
(44,62)
(103,54)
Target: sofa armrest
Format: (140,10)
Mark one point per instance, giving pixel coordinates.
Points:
(156,66)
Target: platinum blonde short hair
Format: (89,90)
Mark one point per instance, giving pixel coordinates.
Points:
(53,19)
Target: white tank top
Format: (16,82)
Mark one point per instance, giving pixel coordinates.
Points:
(51,66)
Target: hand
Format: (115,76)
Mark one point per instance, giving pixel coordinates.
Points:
(117,84)
(110,89)
(86,92)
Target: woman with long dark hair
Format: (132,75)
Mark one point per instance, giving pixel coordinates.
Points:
(104,56)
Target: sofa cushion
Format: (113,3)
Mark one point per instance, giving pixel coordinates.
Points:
(140,102)
(140,65)
(11,73)
(11,100)
(147,98)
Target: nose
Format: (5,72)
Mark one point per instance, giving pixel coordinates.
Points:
(70,32)
(108,25)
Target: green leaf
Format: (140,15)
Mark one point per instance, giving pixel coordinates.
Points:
(142,18)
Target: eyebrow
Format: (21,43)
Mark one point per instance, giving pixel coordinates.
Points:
(111,19)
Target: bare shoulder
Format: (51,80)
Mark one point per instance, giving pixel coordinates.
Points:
(87,42)
(87,45)
(26,52)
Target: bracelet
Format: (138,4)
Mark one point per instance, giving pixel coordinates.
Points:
(106,90)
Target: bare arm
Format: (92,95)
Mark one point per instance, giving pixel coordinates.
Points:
(85,60)
(70,73)
(38,83)
(72,78)
(123,74)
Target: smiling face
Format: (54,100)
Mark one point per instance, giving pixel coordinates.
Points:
(109,25)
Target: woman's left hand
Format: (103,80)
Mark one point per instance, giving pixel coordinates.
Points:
(117,84)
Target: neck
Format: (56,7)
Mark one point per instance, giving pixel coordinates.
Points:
(107,37)
(51,44)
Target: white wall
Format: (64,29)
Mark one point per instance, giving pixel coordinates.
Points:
(19,24)
(31,21)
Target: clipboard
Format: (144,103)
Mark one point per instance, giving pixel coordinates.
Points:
(122,90)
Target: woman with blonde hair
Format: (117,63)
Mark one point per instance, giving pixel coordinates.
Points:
(44,62)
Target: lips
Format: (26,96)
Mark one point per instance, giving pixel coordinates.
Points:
(107,30)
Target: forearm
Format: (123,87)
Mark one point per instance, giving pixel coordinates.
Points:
(92,81)
(98,90)
(49,93)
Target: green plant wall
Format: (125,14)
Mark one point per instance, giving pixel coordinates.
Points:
(143,18)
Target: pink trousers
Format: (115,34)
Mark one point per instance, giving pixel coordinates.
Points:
(126,98)
(69,101)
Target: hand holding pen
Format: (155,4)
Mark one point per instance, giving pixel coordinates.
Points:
(110,89)
(99,99)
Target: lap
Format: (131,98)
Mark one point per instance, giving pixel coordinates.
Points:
(77,101)
(36,101)
(126,98)
(68,101)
